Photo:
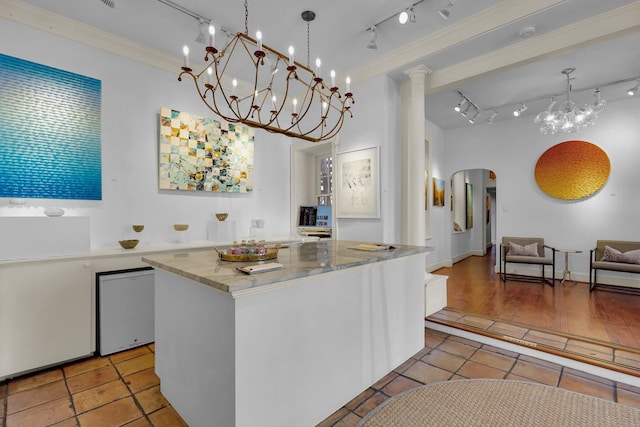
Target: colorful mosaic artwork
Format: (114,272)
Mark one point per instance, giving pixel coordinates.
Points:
(203,154)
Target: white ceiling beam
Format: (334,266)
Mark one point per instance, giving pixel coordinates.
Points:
(502,14)
(606,26)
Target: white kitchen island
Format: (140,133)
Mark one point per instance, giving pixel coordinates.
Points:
(287,347)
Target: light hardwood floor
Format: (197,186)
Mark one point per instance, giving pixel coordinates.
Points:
(570,308)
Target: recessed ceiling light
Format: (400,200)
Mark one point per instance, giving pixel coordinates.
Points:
(527,32)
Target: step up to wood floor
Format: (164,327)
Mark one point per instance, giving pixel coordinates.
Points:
(606,355)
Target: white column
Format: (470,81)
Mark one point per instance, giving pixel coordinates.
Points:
(413,209)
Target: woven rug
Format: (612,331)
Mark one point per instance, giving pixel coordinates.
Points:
(485,402)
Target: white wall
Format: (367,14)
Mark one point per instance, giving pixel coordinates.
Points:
(132,94)
(375,124)
(512,147)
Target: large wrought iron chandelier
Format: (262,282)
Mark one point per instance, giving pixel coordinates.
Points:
(569,117)
(300,105)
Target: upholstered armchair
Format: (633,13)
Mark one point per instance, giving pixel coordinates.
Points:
(527,250)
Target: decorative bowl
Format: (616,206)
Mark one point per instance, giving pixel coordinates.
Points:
(138,228)
(128,244)
(222,216)
(54,212)
(181,227)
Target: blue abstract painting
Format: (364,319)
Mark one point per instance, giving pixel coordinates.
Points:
(50,132)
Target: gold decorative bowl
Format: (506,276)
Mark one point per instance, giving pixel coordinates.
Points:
(222,216)
(138,228)
(181,227)
(128,244)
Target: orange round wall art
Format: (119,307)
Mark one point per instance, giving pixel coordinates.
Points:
(572,170)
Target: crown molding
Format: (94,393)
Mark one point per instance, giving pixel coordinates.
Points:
(40,19)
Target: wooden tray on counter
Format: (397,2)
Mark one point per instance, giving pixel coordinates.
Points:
(271,253)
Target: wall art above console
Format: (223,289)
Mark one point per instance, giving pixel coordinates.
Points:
(50,132)
(203,154)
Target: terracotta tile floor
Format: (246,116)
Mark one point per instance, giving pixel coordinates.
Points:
(117,390)
(123,390)
(447,357)
(609,355)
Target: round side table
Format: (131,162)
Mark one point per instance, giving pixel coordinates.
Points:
(567,273)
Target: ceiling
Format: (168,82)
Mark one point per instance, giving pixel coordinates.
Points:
(478,51)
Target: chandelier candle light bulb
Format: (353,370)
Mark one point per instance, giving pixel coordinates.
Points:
(318,63)
(333,78)
(259,39)
(291,60)
(185,52)
(212,35)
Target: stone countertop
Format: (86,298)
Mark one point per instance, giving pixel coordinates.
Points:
(301,261)
(144,249)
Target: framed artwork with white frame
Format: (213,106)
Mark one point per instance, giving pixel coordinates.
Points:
(358,179)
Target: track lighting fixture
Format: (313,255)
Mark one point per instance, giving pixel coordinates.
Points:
(373,36)
(464,107)
(412,15)
(445,12)
(463,101)
(566,118)
(473,118)
(466,110)
(519,111)
(407,15)
(492,117)
(203,33)
(403,17)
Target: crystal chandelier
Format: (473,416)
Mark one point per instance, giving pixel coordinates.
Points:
(308,108)
(569,117)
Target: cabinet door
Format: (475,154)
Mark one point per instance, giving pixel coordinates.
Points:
(45,314)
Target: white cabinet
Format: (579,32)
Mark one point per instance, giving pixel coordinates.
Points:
(45,314)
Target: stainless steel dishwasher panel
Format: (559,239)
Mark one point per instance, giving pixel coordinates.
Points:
(125,310)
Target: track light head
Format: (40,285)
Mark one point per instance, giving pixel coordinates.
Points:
(466,109)
(203,32)
(473,118)
(412,15)
(407,15)
(492,117)
(520,110)
(373,37)
(463,101)
(633,90)
(403,17)
(445,12)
